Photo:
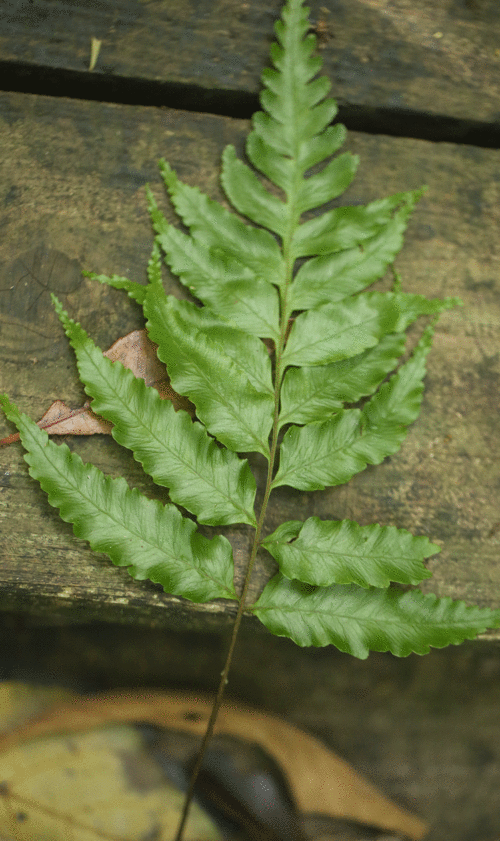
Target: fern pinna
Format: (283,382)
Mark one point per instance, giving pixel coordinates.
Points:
(300,285)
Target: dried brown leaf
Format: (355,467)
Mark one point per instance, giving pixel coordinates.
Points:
(136,352)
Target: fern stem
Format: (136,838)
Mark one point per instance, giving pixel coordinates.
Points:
(239,614)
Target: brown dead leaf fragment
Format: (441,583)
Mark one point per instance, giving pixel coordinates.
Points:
(59,419)
(320,781)
(137,353)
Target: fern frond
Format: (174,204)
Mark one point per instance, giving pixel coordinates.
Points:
(332,277)
(337,331)
(244,299)
(136,291)
(333,343)
(215,227)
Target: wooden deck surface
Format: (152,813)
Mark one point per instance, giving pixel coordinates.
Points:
(435,58)
(72,175)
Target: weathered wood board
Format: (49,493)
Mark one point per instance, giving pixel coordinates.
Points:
(435,58)
(72,177)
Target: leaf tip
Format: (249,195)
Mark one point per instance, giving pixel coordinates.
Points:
(61,312)
(168,174)
(56,302)
(9,409)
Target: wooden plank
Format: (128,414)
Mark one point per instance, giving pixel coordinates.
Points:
(72,176)
(407,55)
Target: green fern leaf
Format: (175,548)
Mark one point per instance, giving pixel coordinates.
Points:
(153,540)
(264,146)
(332,181)
(295,107)
(332,452)
(386,416)
(313,393)
(320,455)
(245,300)
(343,227)
(325,552)
(212,483)
(213,376)
(331,277)
(136,291)
(215,227)
(337,331)
(358,620)
(154,265)
(249,196)
(246,352)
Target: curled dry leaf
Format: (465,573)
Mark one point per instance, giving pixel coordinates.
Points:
(320,781)
(136,352)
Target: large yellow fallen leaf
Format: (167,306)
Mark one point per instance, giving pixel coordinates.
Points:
(98,783)
(321,782)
